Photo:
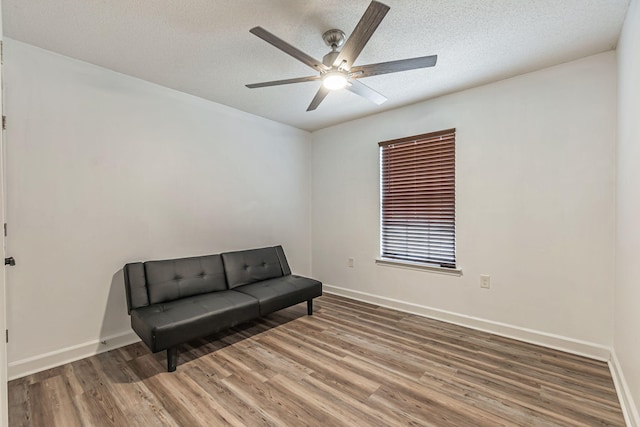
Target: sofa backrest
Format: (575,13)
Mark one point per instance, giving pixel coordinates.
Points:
(155,282)
(254,265)
(178,278)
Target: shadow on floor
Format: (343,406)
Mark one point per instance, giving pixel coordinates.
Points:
(143,364)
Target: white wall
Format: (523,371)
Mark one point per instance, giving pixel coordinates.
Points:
(535,204)
(104,169)
(627,293)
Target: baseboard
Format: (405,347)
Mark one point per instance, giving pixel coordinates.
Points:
(557,342)
(629,408)
(31,365)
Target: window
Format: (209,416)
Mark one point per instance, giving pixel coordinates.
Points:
(417,190)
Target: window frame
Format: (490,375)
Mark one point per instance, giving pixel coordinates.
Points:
(438,267)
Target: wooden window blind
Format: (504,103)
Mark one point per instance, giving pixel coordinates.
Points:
(418,199)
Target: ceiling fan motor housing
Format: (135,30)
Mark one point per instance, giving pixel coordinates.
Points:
(330,57)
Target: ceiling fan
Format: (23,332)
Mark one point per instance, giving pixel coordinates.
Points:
(336,69)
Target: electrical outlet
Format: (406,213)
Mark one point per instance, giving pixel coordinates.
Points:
(485,281)
(352,262)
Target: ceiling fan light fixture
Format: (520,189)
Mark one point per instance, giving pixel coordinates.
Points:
(334,80)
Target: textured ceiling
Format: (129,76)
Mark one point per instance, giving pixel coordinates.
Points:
(203,47)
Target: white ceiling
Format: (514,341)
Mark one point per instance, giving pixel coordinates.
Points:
(203,47)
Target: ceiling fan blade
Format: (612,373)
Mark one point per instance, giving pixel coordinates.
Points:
(283,82)
(320,96)
(393,66)
(368,24)
(366,92)
(288,49)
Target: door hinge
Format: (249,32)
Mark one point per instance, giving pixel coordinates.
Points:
(7,335)
(4,122)
(5,229)
(1,52)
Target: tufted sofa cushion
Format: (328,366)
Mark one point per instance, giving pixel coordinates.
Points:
(163,325)
(254,265)
(174,279)
(280,292)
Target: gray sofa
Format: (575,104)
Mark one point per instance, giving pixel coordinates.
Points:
(178,300)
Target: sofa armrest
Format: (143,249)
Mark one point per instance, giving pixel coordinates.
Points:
(135,284)
(283,261)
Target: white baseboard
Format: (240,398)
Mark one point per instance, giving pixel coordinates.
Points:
(557,342)
(31,365)
(629,408)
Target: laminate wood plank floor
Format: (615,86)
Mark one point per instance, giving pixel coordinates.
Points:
(350,364)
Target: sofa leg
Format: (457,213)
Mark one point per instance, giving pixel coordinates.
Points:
(309,307)
(172,358)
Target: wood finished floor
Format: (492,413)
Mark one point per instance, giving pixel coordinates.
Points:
(350,364)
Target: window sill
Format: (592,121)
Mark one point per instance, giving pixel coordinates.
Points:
(418,266)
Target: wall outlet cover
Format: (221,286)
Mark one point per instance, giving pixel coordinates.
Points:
(485,281)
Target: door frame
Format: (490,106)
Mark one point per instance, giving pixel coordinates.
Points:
(4,394)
